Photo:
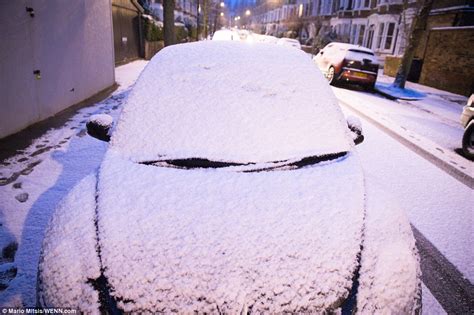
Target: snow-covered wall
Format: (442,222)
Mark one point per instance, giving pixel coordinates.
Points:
(69,42)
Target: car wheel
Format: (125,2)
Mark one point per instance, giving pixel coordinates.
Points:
(331,75)
(468,140)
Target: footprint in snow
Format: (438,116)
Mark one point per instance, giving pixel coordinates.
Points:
(7,270)
(23,197)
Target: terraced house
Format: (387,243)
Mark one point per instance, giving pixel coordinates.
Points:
(383,26)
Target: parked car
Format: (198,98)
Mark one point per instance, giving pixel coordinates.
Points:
(268,39)
(467,121)
(226,34)
(348,63)
(289,42)
(235,187)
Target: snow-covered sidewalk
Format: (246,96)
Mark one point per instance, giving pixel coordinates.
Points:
(431,124)
(34,181)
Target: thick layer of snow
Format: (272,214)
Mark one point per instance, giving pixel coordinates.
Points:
(437,204)
(69,255)
(211,100)
(390,272)
(220,240)
(290,42)
(102,120)
(226,35)
(360,56)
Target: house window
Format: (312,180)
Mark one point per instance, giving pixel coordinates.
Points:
(370,37)
(380,36)
(390,34)
(354,34)
(361,34)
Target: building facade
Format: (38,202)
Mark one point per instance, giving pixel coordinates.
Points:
(381,25)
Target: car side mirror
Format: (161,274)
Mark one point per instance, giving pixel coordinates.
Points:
(355,126)
(99,126)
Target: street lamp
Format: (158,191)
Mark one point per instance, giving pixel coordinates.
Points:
(247,12)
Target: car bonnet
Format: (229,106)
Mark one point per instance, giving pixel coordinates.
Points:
(225,241)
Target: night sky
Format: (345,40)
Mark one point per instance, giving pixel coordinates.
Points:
(235,4)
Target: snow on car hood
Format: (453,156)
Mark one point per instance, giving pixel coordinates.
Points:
(218,240)
(230,101)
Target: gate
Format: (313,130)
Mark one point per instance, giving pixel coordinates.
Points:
(127,30)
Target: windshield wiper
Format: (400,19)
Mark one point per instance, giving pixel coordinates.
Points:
(195,163)
(300,163)
(205,163)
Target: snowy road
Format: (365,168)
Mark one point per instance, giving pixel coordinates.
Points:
(438,205)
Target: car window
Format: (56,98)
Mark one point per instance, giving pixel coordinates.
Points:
(361,51)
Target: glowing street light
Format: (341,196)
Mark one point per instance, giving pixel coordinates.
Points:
(222,4)
(247,13)
(222,13)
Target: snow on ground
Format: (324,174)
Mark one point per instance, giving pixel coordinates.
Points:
(435,117)
(437,204)
(34,181)
(437,132)
(430,304)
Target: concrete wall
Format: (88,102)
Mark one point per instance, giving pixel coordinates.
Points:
(69,42)
(449,60)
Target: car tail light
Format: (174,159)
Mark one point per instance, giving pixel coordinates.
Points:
(346,62)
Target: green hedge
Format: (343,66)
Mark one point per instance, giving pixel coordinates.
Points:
(181,33)
(155,33)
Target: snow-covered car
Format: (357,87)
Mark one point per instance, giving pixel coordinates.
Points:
(341,62)
(226,34)
(467,121)
(290,42)
(234,187)
(268,39)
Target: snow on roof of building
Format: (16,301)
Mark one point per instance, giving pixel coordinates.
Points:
(230,101)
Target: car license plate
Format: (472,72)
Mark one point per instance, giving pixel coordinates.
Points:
(360,75)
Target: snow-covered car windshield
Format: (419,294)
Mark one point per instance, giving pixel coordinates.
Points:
(230,101)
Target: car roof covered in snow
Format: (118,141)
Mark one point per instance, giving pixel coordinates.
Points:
(230,101)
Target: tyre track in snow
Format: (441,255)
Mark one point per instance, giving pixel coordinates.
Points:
(454,292)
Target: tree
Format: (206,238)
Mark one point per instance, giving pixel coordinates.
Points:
(168,22)
(418,27)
